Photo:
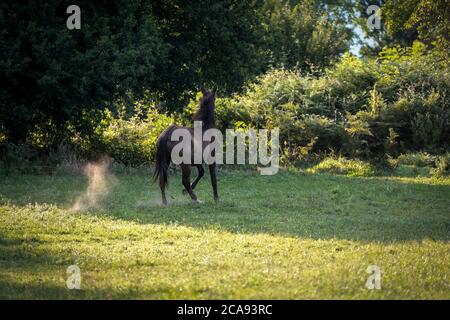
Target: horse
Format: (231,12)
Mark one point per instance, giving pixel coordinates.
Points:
(164,146)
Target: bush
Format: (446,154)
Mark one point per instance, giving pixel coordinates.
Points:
(418,159)
(131,141)
(27,158)
(350,82)
(341,165)
(295,104)
(358,108)
(442,166)
(409,100)
(19,157)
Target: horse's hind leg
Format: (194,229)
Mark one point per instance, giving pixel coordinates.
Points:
(162,185)
(212,172)
(186,175)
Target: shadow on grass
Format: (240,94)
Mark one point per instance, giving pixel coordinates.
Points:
(12,290)
(290,204)
(30,273)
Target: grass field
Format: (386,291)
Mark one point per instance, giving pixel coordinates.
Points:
(289,236)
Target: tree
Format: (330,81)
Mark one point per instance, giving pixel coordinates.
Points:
(211,42)
(380,38)
(430,19)
(226,43)
(406,21)
(54,78)
(302,34)
(51,75)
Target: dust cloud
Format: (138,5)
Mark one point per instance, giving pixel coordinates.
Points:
(99,183)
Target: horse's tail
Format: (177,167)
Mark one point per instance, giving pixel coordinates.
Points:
(161,161)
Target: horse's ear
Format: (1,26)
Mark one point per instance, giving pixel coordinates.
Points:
(202,89)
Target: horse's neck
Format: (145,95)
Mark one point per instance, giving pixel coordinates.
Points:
(207,118)
(207,125)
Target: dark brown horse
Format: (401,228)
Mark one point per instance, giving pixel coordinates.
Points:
(164,147)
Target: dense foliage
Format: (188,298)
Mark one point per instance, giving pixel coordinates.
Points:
(51,77)
(396,103)
(133,68)
(404,21)
(368,109)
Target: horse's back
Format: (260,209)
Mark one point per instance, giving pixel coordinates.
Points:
(166,135)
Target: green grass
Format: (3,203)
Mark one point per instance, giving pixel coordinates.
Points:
(288,236)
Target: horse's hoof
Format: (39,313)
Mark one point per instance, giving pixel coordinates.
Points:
(216,200)
(197,201)
(164,203)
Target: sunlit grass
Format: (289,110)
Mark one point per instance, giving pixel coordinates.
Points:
(340,165)
(291,235)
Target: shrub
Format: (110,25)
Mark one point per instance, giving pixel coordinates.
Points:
(350,81)
(297,105)
(442,166)
(341,165)
(27,158)
(20,157)
(419,159)
(132,140)
(358,108)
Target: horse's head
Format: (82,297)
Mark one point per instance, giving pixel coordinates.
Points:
(208,99)
(207,105)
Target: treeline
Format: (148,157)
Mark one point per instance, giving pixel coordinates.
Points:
(134,67)
(359,108)
(52,77)
(371,109)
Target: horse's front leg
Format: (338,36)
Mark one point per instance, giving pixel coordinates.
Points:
(212,173)
(201,172)
(186,180)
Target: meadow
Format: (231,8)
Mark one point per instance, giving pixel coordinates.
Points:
(294,235)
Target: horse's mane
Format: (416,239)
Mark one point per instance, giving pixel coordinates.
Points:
(205,112)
